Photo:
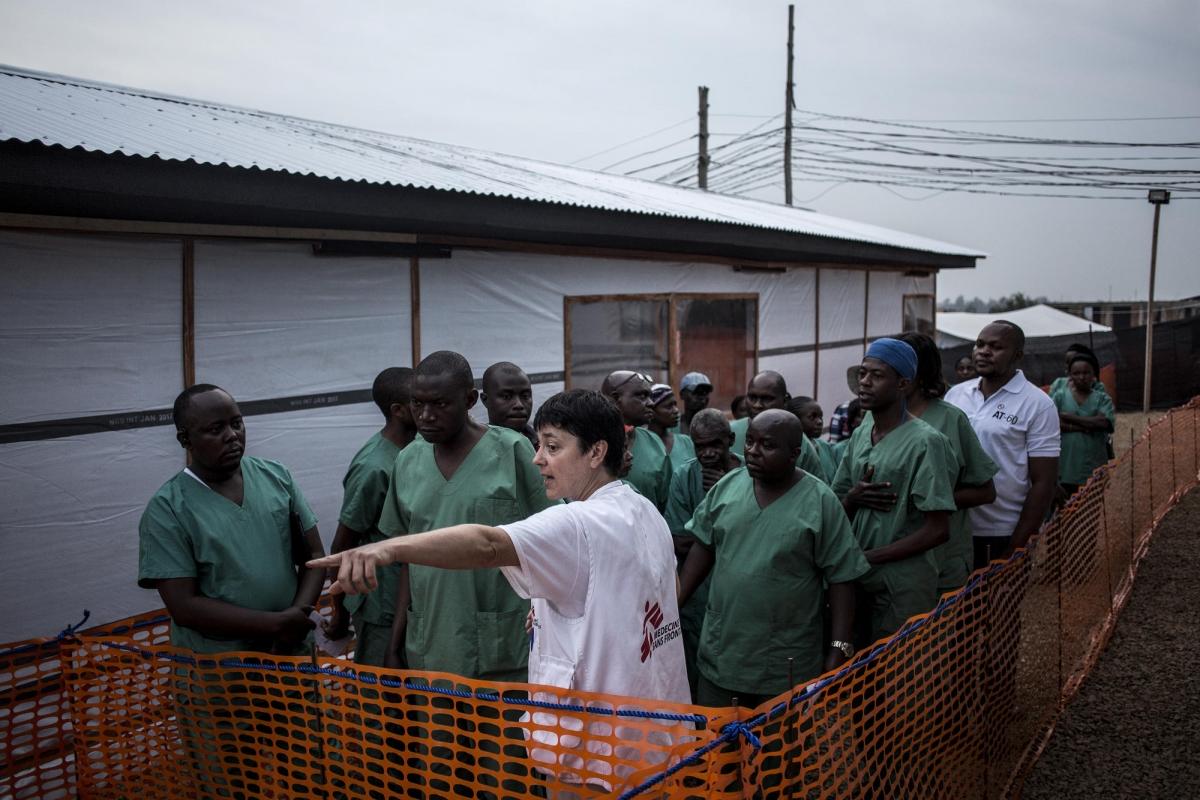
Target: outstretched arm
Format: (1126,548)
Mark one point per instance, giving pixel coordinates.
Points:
(456,547)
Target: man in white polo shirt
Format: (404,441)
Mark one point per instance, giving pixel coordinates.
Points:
(1017,425)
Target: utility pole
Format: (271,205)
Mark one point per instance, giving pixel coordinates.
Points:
(1159,198)
(787,111)
(702,161)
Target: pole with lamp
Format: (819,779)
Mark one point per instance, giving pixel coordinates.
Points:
(1158,198)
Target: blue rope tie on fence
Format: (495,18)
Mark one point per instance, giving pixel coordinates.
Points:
(746,729)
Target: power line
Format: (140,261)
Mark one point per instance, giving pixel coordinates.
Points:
(631,141)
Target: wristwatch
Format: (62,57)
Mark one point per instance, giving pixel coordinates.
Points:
(846,648)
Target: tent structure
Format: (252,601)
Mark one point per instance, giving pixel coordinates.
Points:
(1048,333)
(1039,321)
(148,242)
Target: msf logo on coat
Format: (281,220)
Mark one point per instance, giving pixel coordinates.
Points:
(654,632)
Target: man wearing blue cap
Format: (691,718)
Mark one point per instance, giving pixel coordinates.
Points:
(694,390)
(894,482)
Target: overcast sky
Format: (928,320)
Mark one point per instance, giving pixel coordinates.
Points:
(561,80)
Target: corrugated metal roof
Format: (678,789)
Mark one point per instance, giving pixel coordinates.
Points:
(70,112)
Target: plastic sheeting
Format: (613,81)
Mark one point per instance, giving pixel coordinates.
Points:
(69,529)
(88,325)
(274,320)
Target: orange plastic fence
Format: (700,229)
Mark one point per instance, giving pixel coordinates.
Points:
(957,704)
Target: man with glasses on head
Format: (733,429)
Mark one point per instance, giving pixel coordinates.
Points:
(651,472)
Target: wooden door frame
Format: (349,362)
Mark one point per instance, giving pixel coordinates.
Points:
(674,367)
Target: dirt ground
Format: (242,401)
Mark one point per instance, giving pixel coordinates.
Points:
(1132,729)
(1134,421)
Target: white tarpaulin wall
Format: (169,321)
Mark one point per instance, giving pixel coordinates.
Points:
(91,327)
(88,326)
(273,320)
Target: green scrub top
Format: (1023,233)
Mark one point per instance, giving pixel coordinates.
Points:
(363,491)
(1082,452)
(240,555)
(809,460)
(917,461)
(973,467)
(468,622)
(651,470)
(687,492)
(767,593)
(828,457)
(682,451)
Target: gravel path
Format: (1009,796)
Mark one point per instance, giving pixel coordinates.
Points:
(1134,728)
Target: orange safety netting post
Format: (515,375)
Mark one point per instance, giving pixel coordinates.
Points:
(958,703)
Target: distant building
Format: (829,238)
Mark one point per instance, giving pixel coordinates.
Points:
(1122,314)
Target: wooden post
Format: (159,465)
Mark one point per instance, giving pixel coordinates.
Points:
(817,338)
(414,301)
(702,160)
(189,313)
(787,112)
(866,307)
(1150,316)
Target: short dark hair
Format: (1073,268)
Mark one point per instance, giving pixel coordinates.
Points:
(1076,347)
(590,417)
(183,403)
(797,404)
(499,368)
(852,411)
(737,401)
(930,381)
(1089,358)
(393,385)
(447,363)
(1017,334)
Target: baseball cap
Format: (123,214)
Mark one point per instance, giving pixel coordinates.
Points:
(693,380)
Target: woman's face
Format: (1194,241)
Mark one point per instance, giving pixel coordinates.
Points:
(1082,374)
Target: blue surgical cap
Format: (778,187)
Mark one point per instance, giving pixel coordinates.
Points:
(896,354)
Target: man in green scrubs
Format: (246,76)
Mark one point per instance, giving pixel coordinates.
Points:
(224,541)
(894,481)
(651,471)
(774,537)
(972,469)
(664,423)
(690,483)
(468,622)
(769,390)
(507,394)
(364,489)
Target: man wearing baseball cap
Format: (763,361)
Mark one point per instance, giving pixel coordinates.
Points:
(694,390)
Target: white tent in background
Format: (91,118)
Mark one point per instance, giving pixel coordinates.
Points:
(956,328)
